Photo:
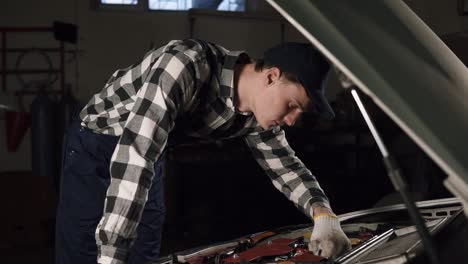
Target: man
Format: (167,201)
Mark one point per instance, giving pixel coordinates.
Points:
(111,187)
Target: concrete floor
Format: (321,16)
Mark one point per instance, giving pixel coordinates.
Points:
(27,255)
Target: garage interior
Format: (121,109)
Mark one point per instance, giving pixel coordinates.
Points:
(55,55)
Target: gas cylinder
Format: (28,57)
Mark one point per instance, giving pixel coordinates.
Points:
(43,136)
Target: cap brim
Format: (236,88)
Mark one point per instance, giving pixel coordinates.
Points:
(324,108)
(320,101)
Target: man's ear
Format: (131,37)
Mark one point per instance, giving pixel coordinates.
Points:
(272,75)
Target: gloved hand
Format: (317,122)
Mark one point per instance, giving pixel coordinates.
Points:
(328,239)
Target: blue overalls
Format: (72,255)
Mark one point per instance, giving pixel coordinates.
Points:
(85,178)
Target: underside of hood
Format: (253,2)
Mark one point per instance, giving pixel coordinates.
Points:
(396,59)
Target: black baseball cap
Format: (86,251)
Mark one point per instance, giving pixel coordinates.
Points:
(308,65)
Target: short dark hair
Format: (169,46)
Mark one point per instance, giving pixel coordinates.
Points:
(301,63)
(260,65)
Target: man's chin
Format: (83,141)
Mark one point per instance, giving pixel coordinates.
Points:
(268,126)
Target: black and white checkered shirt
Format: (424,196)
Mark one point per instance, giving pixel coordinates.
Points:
(142,104)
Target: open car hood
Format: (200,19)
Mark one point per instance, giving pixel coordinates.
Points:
(396,59)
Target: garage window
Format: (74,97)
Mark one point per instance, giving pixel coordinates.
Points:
(177,5)
(119,2)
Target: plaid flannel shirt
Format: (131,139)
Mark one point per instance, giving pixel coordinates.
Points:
(142,104)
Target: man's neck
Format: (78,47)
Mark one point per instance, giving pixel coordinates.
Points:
(245,85)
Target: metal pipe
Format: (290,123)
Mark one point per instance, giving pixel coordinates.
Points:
(371,126)
(365,247)
(62,66)
(19,93)
(30,71)
(4,61)
(51,50)
(282,31)
(25,29)
(206,251)
(454,203)
(400,185)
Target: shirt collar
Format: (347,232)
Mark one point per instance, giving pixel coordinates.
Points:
(226,81)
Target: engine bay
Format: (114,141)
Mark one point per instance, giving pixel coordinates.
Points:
(373,241)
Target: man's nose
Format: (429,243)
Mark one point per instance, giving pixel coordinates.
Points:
(291,118)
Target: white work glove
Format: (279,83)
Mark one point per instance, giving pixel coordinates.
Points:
(328,239)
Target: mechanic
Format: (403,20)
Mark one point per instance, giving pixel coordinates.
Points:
(111,206)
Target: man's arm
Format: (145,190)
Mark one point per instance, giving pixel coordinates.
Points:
(288,174)
(140,145)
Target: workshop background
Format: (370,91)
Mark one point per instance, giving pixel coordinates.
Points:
(56,54)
